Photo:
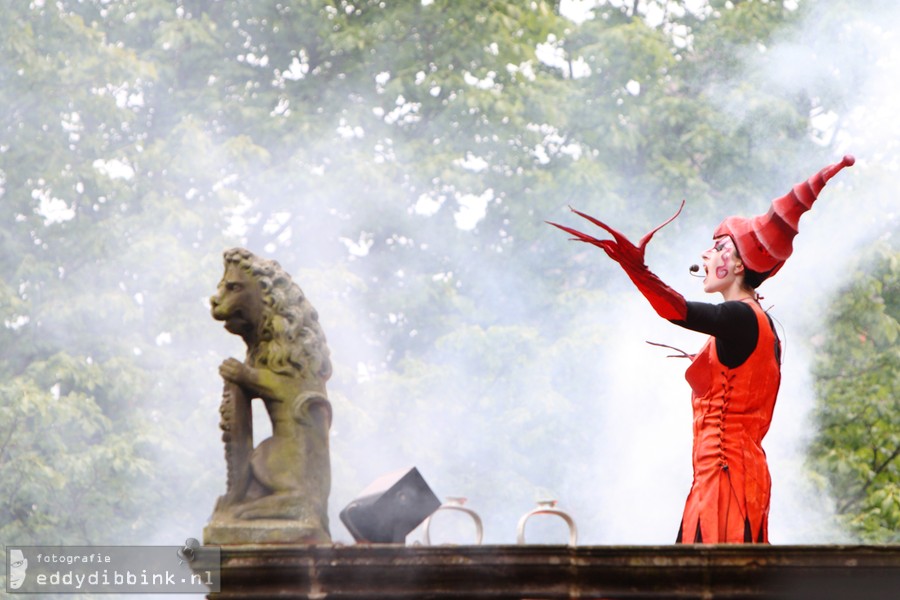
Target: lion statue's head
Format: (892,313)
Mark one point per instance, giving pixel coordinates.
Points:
(279,324)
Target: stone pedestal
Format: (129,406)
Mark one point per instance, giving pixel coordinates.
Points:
(261,531)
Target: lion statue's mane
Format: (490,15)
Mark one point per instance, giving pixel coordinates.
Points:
(291,339)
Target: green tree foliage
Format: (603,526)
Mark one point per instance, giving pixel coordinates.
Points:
(857,450)
(87,207)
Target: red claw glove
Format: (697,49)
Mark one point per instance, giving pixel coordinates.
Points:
(667,303)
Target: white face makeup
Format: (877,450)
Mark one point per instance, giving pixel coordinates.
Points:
(719,262)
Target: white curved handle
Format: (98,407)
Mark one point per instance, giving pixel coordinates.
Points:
(479,529)
(547,509)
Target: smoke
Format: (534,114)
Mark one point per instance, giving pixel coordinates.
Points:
(857,52)
(597,419)
(645,486)
(621,463)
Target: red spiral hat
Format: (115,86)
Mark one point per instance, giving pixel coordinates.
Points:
(765,242)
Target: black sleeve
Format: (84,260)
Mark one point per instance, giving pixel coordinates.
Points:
(732,323)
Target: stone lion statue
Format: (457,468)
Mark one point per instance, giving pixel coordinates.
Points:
(277,491)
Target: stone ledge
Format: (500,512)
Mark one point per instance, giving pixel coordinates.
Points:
(549,572)
(260,531)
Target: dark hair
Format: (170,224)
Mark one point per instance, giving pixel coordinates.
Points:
(751,278)
(754,278)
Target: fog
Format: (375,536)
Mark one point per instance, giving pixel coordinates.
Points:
(620,460)
(622,465)
(626,481)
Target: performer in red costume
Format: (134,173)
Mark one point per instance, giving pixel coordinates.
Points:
(735,377)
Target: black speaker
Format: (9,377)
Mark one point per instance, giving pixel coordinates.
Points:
(389,508)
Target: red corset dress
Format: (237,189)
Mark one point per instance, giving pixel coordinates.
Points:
(732,407)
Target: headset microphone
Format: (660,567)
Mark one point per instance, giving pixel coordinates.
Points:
(694,269)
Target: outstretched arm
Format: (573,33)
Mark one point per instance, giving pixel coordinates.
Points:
(667,303)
